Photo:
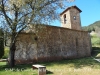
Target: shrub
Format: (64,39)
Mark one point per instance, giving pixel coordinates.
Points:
(95,40)
(1,48)
(6,50)
(98,55)
(1,44)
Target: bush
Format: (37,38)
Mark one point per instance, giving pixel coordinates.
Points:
(1,43)
(98,55)
(95,40)
(1,47)
(6,50)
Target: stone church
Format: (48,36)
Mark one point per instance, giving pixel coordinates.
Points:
(51,43)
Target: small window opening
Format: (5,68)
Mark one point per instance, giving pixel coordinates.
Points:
(74,17)
(65,20)
(35,38)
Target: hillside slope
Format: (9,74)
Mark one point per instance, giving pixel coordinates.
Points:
(93,27)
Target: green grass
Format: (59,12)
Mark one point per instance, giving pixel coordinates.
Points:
(64,67)
(95,40)
(17,70)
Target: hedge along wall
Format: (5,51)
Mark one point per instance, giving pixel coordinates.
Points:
(52,44)
(1,44)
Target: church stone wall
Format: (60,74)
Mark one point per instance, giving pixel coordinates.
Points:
(75,23)
(52,44)
(68,20)
(71,18)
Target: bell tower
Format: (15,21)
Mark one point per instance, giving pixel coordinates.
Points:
(70,18)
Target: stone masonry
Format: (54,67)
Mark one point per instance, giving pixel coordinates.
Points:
(51,44)
(70,18)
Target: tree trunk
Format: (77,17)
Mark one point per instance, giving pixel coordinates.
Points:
(12,54)
(12,50)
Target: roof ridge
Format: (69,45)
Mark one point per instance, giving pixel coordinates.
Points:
(70,8)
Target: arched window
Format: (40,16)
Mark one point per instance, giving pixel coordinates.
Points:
(65,20)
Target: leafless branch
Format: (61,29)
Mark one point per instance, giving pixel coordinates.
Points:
(5,15)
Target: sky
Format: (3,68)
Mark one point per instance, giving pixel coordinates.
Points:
(90,11)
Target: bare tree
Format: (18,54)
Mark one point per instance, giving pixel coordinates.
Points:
(15,15)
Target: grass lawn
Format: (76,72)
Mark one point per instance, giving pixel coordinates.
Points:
(83,66)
